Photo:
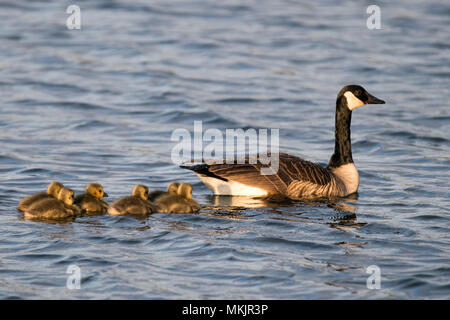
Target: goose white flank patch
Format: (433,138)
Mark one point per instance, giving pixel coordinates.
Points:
(296,178)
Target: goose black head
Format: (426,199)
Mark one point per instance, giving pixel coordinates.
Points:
(355,96)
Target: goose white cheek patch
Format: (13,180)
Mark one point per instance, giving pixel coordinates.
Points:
(352,101)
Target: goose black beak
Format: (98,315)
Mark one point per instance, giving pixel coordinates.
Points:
(105,194)
(374,100)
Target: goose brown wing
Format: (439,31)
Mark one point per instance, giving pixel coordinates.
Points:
(291,169)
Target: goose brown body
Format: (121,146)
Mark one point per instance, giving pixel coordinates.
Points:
(296,178)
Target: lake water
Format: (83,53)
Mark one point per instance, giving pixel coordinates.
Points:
(100,104)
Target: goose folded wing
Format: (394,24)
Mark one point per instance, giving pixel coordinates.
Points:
(291,169)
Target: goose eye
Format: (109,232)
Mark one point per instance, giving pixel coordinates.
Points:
(357,93)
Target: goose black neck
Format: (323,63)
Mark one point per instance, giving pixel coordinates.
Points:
(343,147)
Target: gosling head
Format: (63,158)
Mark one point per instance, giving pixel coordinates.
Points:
(66,196)
(185,190)
(96,190)
(356,96)
(172,188)
(54,188)
(140,191)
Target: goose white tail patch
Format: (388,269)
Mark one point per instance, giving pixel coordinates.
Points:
(230,188)
(352,101)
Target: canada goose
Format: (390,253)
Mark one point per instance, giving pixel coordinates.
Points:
(52,193)
(91,201)
(51,208)
(137,203)
(172,188)
(296,178)
(181,202)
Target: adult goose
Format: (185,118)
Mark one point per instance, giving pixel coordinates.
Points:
(296,178)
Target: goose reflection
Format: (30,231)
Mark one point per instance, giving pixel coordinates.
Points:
(236,202)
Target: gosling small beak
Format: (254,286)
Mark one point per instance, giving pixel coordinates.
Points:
(374,100)
(105,194)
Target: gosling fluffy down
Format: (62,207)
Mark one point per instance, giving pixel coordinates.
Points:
(91,201)
(54,208)
(172,188)
(52,193)
(137,203)
(181,202)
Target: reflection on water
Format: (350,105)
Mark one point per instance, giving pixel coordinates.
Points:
(49,220)
(237,202)
(100,104)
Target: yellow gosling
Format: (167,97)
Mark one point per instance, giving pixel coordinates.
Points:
(52,193)
(172,188)
(54,208)
(181,202)
(136,204)
(91,201)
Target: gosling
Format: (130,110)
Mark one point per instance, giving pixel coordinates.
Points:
(91,201)
(54,208)
(172,188)
(137,203)
(52,193)
(181,202)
